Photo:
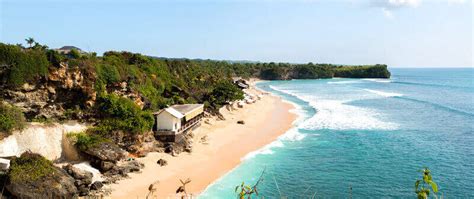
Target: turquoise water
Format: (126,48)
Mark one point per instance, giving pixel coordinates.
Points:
(369,134)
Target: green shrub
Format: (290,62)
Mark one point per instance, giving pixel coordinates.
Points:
(86,140)
(108,73)
(11,118)
(22,65)
(29,167)
(225,92)
(120,113)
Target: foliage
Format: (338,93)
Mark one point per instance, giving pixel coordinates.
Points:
(54,57)
(225,92)
(11,118)
(119,113)
(21,65)
(29,167)
(86,140)
(30,41)
(427,182)
(74,53)
(243,190)
(376,71)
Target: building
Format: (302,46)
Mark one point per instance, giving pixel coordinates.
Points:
(173,122)
(67,49)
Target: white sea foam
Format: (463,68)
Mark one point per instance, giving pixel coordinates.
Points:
(345,82)
(266,150)
(378,80)
(384,94)
(336,115)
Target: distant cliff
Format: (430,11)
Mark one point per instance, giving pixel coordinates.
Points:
(283,71)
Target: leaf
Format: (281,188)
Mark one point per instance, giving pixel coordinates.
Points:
(417,184)
(433,186)
(236,187)
(425,178)
(248,187)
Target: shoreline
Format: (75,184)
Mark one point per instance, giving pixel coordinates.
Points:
(223,150)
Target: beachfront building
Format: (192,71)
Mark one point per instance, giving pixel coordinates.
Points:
(175,121)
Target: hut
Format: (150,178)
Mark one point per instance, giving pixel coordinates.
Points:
(176,121)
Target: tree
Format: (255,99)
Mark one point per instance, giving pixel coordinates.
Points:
(75,54)
(225,92)
(424,191)
(30,41)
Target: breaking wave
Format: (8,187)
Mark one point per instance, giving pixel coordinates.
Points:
(384,94)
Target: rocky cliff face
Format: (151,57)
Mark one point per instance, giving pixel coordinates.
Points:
(49,141)
(64,89)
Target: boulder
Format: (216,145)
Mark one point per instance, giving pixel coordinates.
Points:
(240,122)
(162,162)
(123,168)
(26,182)
(81,177)
(4,164)
(107,152)
(106,165)
(97,185)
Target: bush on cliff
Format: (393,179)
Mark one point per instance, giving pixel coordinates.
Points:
(119,113)
(18,65)
(29,167)
(83,141)
(11,118)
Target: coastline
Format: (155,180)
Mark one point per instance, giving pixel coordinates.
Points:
(223,150)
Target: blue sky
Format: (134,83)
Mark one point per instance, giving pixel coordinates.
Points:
(400,33)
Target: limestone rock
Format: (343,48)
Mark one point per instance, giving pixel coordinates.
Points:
(107,152)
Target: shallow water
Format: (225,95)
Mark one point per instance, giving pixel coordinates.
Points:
(371,135)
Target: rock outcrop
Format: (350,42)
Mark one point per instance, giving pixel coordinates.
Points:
(25,180)
(64,89)
(82,179)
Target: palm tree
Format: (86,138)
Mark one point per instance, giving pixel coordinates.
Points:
(30,41)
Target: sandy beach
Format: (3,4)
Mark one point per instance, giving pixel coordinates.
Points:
(265,120)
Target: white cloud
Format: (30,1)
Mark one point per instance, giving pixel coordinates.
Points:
(388,6)
(387,13)
(404,3)
(456,1)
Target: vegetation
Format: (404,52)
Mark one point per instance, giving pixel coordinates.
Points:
(244,190)
(377,71)
(11,118)
(84,140)
(18,66)
(423,191)
(29,167)
(225,92)
(119,113)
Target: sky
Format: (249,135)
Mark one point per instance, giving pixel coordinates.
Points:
(399,33)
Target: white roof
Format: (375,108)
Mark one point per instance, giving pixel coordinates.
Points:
(174,112)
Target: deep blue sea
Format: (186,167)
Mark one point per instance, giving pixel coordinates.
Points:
(371,135)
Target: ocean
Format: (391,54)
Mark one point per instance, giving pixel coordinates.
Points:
(367,138)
